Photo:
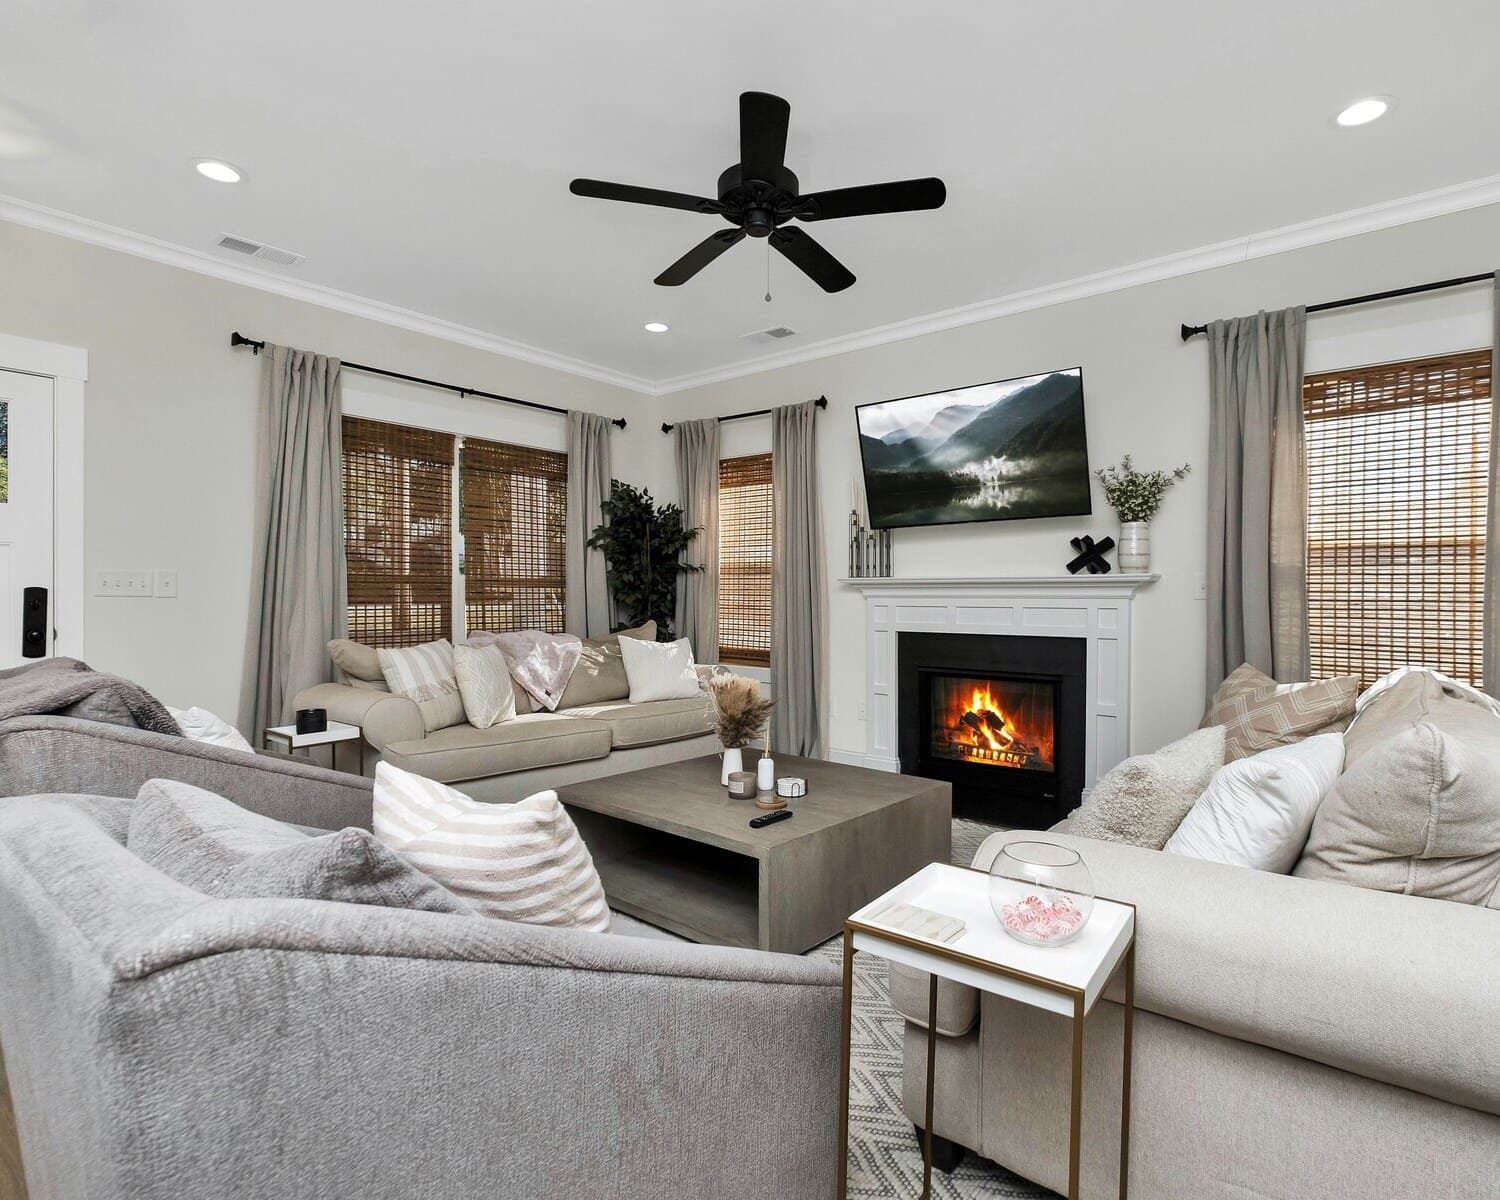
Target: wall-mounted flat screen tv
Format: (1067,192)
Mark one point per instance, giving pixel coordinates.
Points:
(992,452)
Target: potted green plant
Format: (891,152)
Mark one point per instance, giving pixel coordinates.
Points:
(643,544)
(1136,496)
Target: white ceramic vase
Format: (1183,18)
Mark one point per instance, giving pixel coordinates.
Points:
(734,760)
(1134,552)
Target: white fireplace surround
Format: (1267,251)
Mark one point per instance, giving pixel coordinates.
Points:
(1095,608)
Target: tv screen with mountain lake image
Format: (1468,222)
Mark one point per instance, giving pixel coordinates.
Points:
(991,452)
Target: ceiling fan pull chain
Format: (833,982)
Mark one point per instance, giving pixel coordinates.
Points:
(768,270)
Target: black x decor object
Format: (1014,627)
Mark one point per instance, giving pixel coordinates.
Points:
(1090,555)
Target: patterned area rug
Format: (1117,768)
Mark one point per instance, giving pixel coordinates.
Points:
(885,1158)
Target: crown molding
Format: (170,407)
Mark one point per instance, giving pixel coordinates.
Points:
(83,229)
(1440,202)
(1369,219)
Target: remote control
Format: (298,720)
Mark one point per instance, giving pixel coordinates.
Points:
(781,814)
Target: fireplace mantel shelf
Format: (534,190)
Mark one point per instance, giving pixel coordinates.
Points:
(1050,584)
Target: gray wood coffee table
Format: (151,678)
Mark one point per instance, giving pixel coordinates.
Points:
(673,849)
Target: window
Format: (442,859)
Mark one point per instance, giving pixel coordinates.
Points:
(1398,467)
(398,532)
(745,560)
(401,525)
(515,507)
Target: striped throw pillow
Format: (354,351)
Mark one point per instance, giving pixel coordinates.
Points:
(518,862)
(425,675)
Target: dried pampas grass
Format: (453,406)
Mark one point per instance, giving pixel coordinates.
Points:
(740,712)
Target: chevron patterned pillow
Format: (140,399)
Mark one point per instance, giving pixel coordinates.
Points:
(1258,713)
(517,862)
(484,683)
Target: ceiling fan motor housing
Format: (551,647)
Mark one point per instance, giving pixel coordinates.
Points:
(752,203)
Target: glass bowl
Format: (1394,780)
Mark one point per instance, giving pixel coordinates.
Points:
(1041,892)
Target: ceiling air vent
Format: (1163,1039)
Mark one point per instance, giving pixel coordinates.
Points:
(271,254)
(763,337)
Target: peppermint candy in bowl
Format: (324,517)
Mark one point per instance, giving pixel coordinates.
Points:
(1041,892)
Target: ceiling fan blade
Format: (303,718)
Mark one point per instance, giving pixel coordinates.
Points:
(599,190)
(906,195)
(814,261)
(699,257)
(763,122)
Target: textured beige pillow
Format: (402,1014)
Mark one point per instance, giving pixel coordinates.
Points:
(1143,800)
(519,862)
(424,674)
(600,674)
(484,683)
(1258,713)
(1417,809)
(357,665)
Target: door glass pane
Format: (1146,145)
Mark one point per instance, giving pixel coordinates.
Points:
(4,451)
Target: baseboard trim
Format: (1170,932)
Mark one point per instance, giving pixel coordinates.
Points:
(854,758)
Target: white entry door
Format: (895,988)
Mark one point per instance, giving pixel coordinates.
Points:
(26,517)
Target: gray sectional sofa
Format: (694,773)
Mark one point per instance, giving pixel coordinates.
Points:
(595,731)
(162,1044)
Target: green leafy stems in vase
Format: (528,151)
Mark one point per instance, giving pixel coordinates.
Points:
(740,716)
(1136,497)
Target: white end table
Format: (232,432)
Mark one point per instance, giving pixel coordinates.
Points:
(336,732)
(1066,979)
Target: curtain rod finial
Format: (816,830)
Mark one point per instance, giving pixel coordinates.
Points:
(618,422)
(1191,331)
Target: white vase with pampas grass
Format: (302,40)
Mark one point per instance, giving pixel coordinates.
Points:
(740,715)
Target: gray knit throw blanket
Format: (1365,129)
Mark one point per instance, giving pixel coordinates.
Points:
(65,687)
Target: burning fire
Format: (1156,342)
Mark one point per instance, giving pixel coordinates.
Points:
(975,721)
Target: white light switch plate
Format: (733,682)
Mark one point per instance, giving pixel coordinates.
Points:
(122,583)
(166,584)
(1200,586)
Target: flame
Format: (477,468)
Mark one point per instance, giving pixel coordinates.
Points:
(981,701)
(975,720)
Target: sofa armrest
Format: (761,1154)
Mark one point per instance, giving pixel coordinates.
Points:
(382,717)
(1395,988)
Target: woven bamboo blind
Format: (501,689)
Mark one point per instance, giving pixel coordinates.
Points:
(745,537)
(398,532)
(1398,468)
(513,516)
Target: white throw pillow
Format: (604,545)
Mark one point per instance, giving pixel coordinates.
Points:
(659,670)
(424,674)
(1258,811)
(484,683)
(517,862)
(202,726)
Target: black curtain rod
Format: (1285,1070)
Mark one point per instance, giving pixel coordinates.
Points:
(1192,331)
(821,402)
(239,339)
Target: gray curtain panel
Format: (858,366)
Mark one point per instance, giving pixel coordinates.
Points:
(698,484)
(299,597)
(1491,666)
(799,589)
(589,611)
(1257,497)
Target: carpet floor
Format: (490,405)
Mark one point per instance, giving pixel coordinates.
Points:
(885,1158)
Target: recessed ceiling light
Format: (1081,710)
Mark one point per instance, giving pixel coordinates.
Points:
(1362,112)
(219,172)
(656,327)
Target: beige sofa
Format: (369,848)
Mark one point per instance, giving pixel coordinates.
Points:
(1294,1037)
(595,731)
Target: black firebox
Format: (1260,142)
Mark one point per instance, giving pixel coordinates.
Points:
(999,717)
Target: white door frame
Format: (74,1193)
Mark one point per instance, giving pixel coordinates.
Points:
(68,368)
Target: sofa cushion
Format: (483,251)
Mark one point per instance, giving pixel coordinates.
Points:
(1256,812)
(216,847)
(1142,800)
(1417,809)
(1259,713)
(600,673)
(516,862)
(653,722)
(424,674)
(357,665)
(536,739)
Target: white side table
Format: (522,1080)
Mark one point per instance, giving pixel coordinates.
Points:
(336,732)
(1065,979)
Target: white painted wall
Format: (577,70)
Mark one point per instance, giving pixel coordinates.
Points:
(170,442)
(1146,394)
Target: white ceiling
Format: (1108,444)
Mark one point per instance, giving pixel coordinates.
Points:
(419,155)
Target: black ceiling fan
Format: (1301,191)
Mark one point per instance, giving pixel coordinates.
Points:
(758,195)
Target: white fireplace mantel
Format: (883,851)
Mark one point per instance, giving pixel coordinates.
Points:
(1095,608)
